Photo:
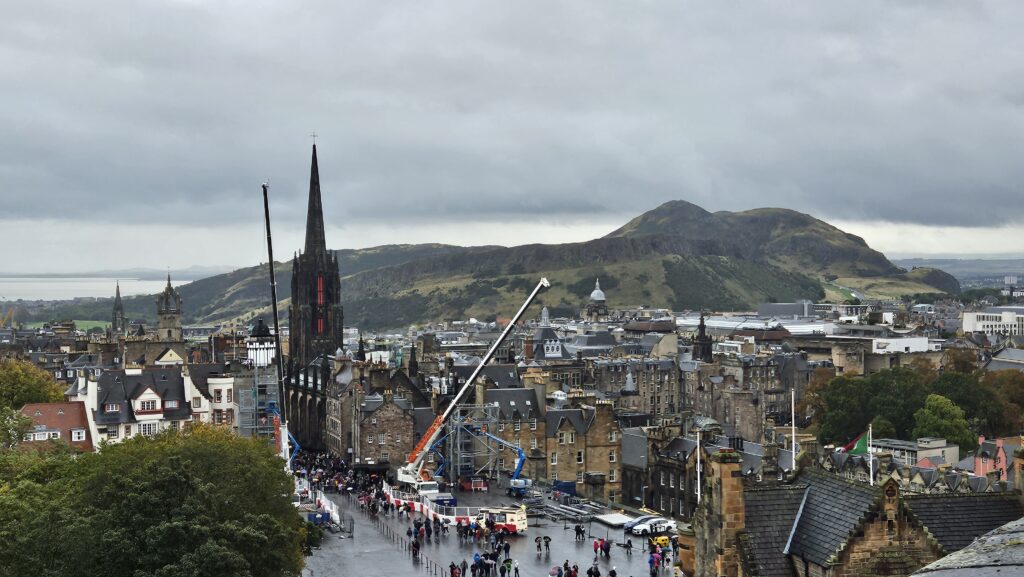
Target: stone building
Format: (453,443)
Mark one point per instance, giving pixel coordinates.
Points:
(583,443)
(385,430)
(818,524)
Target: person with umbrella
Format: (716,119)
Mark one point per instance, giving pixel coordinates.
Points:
(547,544)
(537,541)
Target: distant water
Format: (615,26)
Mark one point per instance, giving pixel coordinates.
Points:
(67,288)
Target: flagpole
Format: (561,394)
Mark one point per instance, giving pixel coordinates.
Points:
(698,466)
(871,460)
(792,422)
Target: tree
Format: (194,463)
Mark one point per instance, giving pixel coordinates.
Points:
(960,360)
(22,382)
(13,426)
(812,402)
(881,428)
(846,401)
(941,418)
(197,502)
(895,395)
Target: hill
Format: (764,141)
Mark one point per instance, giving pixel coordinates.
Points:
(677,255)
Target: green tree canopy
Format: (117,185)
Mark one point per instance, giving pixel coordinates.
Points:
(197,502)
(940,417)
(22,382)
(845,400)
(895,395)
(881,428)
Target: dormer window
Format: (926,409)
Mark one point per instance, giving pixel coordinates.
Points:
(147,405)
(170,404)
(112,408)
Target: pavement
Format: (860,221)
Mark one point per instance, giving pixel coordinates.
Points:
(375,549)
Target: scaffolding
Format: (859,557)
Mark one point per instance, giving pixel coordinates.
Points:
(469,454)
(255,414)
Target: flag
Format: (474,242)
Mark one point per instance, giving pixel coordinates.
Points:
(858,446)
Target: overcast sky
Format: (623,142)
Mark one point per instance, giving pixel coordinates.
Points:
(137,133)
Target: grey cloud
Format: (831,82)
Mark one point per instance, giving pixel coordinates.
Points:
(135,112)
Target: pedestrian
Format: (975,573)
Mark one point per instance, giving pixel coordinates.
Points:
(507,547)
(463,566)
(629,546)
(515,565)
(596,546)
(613,573)
(537,541)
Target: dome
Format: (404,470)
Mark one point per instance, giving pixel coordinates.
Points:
(598,294)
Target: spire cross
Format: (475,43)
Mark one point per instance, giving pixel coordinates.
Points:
(313,135)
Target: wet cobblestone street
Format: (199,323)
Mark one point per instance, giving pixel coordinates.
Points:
(378,548)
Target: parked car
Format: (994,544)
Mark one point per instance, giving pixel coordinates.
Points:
(638,520)
(658,525)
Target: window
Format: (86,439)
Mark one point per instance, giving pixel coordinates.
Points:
(561,438)
(533,424)
(385,456)
(112,432)
(501,463)
(147,406)
(27,437)
(613,475)
(175,426)
(217,396)
(197,402)
(554,458)
(612,437)
(501,448)
(572,437)
(112,408)
(430,457)
(369,439)
(229,391)
(533,442)
(501,427)
(148,429)
(127,430)
(55,435)
(579,457)
(398,438)
(517,425)
(78,435)
(380,438)
(170,404)
(611,456)
(579,477)
(663,478)
(672,480)
(554,475)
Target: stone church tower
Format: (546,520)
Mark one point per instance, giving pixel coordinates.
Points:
(168,313)
(316,315)
(118,324)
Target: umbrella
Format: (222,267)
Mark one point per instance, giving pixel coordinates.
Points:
(547,539)
(553,571)
(537,540)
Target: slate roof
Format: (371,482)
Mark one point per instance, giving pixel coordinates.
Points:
(835,507)
(997,554)
(201,373)
(504,376)
(957,519)
(518,403)
(115,386)
(576,417)
(770,513)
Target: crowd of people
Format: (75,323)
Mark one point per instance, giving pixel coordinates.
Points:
(493,555)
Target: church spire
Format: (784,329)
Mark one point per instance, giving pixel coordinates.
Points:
(315,241)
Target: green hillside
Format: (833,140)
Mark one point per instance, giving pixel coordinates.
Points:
(677,255)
